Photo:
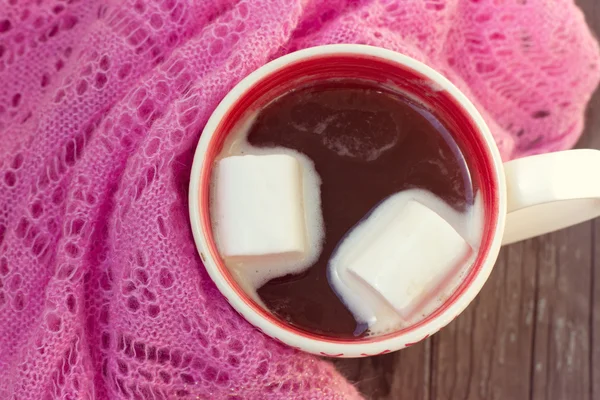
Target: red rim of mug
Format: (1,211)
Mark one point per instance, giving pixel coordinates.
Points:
(381,71)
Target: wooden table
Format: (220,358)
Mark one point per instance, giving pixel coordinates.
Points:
(532,333)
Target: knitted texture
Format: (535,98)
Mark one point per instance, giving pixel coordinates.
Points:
(102,294)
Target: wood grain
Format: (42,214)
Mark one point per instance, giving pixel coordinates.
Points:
(591,138)
(595,320)
(561,346)
(532,333)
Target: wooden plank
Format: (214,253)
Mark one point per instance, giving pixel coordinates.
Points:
(404,373)
(486,352)
(562,325)
(591,139)
(595,320)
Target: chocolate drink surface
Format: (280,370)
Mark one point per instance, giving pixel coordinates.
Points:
(367,143)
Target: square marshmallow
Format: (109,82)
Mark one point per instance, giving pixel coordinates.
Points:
(408,260)
(259,206)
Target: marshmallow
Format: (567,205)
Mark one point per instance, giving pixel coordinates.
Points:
(259,207)
(407,255)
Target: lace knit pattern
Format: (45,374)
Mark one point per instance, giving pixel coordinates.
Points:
(102,294)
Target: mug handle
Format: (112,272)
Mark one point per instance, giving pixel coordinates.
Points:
(551,191)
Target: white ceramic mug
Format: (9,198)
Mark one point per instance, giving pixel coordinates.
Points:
(523,198)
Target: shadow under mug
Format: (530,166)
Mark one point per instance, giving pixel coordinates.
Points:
(521,198)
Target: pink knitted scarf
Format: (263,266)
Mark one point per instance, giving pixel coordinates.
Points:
(102,294)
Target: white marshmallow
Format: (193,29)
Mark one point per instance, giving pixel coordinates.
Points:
(407,255)
(259,207)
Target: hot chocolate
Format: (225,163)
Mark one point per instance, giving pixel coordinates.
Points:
(359,144)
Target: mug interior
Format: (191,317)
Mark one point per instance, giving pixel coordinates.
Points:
(383,72)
